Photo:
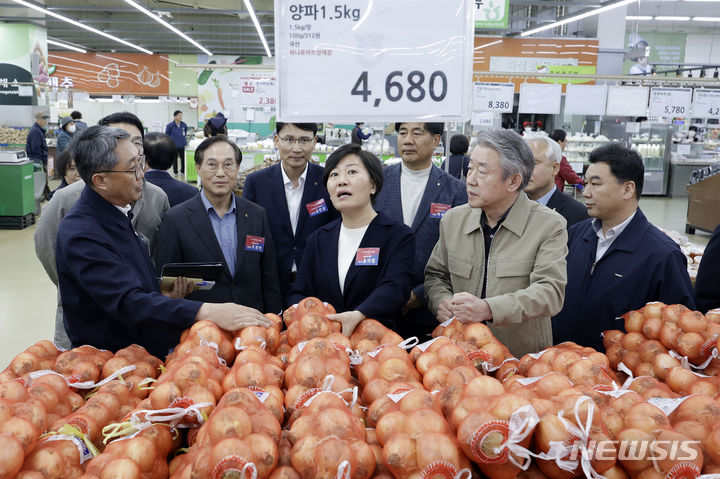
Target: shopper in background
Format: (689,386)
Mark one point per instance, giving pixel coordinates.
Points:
(67,130)
(618,261)
(458,160)
(147,212)
(36,146)
(215,126)
(418,193)
(541,186)
(177,129)
(77,118)
(566,173)
(357,136)
(216,226)
(111,297)
(362,264)
(707,283)
(294,197)
(65,168)
(500,259)
(160,153)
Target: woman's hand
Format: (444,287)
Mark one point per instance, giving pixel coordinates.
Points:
(348,319)
(180,288)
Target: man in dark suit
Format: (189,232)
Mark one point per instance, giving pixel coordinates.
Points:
(418,194)
(294,197)
(707,283)
(160,153)
(541,186)
(218,226)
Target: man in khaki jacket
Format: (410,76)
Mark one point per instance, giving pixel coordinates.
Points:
(500,258)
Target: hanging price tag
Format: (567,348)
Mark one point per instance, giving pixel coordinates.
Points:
(585,99)
(369,65)
(627,100)
(540,98)
(706,103)
(497,97)
(670,102)
(257,90)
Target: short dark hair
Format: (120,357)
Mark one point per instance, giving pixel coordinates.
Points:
(625,164)
(208,142)
(76,115)
(433,128)
(123,117)
(693,128)
(311,127)
(558,135)
(210,130)
(175,113)
(459,145)
(160,150)
(371,162)
(63,162)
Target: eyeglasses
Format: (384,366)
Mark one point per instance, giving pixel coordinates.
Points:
(212,166)
(302,141)
(139,168)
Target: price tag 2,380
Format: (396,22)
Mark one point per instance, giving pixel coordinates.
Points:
(365,64)
(670,102)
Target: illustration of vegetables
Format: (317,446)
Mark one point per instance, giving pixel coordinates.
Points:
(219,93)
(205,75)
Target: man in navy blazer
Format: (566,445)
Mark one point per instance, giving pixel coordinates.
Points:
(216,226)
(541,186)
(418,194)
(294,197)
(618,261)
(160,154)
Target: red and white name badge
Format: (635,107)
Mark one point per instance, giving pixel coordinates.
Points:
(317,207)
(437,210)
(367,256)
(254,243)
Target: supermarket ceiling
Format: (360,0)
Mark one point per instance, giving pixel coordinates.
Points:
(225,27)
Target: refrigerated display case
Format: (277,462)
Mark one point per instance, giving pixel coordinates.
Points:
(653,143)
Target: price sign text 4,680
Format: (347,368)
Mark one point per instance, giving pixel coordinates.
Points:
(337,12)
(416,87)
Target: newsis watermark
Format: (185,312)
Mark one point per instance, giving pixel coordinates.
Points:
(682,451)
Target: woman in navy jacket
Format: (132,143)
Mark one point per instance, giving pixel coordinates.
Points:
(362,264)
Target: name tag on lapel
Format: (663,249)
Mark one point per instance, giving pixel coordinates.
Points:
(367,256)
(317,207)
(437,210)
(254,243)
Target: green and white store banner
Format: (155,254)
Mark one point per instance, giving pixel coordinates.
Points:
(492,13)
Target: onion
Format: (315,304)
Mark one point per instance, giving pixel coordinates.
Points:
(689,344)
(712,446)
(552,384)
(634,453)
(121,468)
(654,309)
(646,417)
(692,322)
(633,321)
(662,363)
(704,386)
(692,429)
(649,349)
(22,430)
(395,369)
(615,355)
(612,337)
(679,379)
(666,446)
(436,377)
(399,455)
(564,360)
(231,421)
(651,328)
(632,341)
(669,334)
(34,412)
(11,456)
(702,409)
(478,334)
(13,391)
(539,369)
(673,312)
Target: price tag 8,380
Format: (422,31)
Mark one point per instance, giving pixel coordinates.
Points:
(706,103)
(351,60)
(670,102)
(497,97)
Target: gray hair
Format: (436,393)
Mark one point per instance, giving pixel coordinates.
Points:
(515,154)
(94,150)
(553,152)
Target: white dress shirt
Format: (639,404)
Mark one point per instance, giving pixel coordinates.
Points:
(294,196)
(348,244)
(606,239)
(412,187)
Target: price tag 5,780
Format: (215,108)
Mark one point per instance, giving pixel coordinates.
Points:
(415,86)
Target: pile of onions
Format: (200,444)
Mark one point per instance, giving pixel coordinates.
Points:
(370,334)
(406,402)
(206,332)
(82,364)
(39,356)
(583,366)
(308,320)
(266,338)
(477,340)
(146,366)
(391,363)
(445,365)
(254,367)
(319,358)
(697,418)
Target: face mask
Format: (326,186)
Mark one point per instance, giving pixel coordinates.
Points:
(71,129)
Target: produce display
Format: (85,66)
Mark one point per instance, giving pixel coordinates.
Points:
(307,402)
(13,136)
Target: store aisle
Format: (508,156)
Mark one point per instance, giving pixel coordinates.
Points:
(27,296)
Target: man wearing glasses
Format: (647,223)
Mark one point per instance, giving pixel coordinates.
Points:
(216,226)
(110,294)
(147,212)
(294,197)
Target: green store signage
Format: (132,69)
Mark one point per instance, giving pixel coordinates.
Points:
(491,13)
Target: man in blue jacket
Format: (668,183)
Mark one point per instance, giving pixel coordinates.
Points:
(294,196)
(110,295)
(177,129)
(418,194)
(617,261)
(36,145)
(160,154)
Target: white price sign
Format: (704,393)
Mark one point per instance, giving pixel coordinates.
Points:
(585,99)
(257,90)
(367,65)
(627,100)
(540,98)
(498,97)
(670,102)
(706,103)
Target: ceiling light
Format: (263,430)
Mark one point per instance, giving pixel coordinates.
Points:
(575,18)
(672,19)
(706,19)
(488,44)
(65,45)
(638,17)
(251,11)
(81,25)
(167,25)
